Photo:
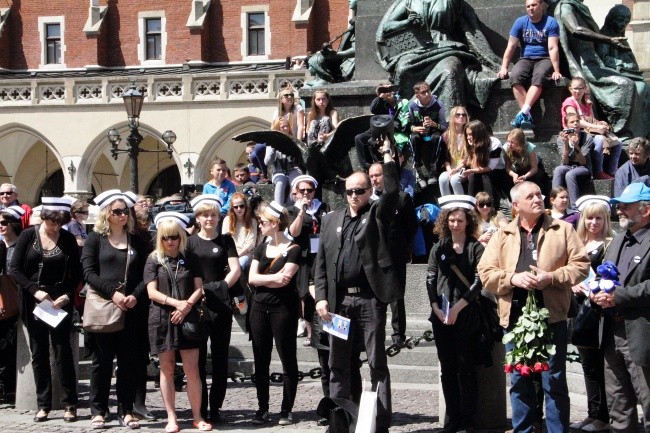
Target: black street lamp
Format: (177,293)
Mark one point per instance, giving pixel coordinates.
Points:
(133,100)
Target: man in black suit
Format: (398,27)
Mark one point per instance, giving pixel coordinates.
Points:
(626,333)
(403,228)
(357,276)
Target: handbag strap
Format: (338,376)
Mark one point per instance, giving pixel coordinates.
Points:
(274,261)
(40,265)
(460,275)
(128,257)
(176,293)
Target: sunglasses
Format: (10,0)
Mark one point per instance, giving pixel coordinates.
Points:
(288,95)
(239,206)
(306,190)
(484,205)
(262,222)
(82,212)
(171,238)
(460,114)
(6,192)
(5,223)
(357,191)
(120,212)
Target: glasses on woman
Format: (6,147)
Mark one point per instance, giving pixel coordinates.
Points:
(171,238)
(82,212)
(460,114)
(264,222)
(288,96)
(239,206)
(306,190)
(120,212)
(484,205)
(5,223)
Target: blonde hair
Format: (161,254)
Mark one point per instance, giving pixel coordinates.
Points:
(168,228)
(283,220)
(452,133)
(103,227)
(592,210)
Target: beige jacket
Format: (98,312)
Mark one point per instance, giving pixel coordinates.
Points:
(559,251)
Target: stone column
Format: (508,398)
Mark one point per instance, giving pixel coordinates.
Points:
(25,385)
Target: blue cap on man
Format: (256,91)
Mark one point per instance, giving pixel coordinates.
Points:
(636,191)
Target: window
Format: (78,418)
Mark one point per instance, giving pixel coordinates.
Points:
(256,34)
(51,35)
(154,38)
(53,43)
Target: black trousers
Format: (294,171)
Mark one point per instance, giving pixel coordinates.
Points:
(456,352)
(8,356)
(39,343)
(365,153)
(265,327)
(398,319)
(220,331)
(106,347)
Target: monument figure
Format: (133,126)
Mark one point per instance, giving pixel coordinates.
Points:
(605,61)
(440,42)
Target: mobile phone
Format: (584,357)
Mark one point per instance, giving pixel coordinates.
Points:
(569,131)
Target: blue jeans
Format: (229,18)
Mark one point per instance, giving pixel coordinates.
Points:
(571,177)
(598,157)
(556,392)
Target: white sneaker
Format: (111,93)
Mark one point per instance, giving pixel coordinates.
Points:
(580,424)
(596,426)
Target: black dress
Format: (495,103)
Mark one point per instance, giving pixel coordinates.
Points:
(163,334)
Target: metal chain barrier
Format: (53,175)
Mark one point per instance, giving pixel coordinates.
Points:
(317,373)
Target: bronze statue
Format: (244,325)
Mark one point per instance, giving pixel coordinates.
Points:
(335,66)
(605,61)
(440,42)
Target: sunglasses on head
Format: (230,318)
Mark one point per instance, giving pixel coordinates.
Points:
(120,212)
(171,238)
(357,191)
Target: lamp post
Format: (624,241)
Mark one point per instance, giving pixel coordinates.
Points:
(133,100)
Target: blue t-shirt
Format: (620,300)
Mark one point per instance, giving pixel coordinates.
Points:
(533,37)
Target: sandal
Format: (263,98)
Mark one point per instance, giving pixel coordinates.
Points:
(202,426)
(132,422)
(41,415)
(70,414)
(171,427)
(97,422)
(307,342)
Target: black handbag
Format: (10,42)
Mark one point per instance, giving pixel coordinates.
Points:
(195,326)
(586,326)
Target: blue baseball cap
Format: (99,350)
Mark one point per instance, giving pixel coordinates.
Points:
(636,191)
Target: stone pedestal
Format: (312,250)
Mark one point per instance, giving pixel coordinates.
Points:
(491,398)
(25,385)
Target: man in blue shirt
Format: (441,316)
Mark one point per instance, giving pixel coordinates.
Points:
(538,35)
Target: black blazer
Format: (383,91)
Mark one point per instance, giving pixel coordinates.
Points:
(378,256)
(633,300)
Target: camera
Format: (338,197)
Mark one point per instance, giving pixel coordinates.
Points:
(569,131)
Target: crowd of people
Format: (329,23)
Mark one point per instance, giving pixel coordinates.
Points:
(173,289)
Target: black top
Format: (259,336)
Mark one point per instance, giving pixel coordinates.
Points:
(61,270)
(349,268)
(266,298)
(213,258)
(104,266)
(631,251)
(528,257)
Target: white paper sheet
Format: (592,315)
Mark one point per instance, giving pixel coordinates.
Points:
(338,327)
(48,314)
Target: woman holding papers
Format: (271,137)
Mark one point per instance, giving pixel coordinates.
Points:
(274,310)
(454,288)
(48,272)
(113,261)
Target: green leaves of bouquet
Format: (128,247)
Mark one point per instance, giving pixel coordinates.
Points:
(532,340)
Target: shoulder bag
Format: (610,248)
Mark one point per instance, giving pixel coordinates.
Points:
(195,326)
(102,315)
(8,297)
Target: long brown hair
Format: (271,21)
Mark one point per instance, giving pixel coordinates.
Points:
(479,152)
(232,217)
(313,112)
(442,223)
